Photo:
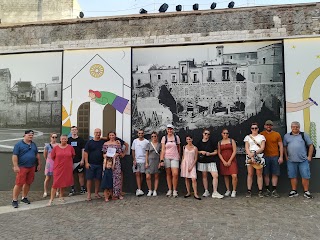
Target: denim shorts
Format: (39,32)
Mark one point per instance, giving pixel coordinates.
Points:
(272,166)
(303,168)
(94,172)
(171,163)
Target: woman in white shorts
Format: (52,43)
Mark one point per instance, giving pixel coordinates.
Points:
(206,163)
(170,157)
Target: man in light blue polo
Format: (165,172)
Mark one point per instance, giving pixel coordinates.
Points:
(298,153)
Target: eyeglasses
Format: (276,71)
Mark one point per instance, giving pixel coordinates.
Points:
(54,137)
(254,128)
(225,133)
(207,134)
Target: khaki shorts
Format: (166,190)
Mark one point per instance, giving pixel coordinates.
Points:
(171,163)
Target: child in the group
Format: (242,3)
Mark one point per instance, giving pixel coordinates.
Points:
(188,167)
(107,182)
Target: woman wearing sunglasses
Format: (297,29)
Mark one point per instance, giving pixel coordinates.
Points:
(227,150)
(48,171)
(207,163)
(254,145)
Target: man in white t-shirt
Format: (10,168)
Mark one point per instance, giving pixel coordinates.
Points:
(139,146)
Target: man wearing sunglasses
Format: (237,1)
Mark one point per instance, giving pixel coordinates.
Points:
(24,158)
(273,154)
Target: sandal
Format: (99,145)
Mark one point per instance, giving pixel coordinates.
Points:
(106,200)
(97,196)
(120,197)
(50,203)
(62,200)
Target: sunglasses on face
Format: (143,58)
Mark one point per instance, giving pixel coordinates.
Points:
(254,128)
(207,134)
(54,137)
(225,133)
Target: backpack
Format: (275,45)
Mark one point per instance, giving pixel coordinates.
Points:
(175,139)
(307,147)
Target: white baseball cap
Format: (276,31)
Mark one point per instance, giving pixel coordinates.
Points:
(170,126)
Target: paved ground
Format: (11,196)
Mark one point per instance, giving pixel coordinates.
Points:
(166,218)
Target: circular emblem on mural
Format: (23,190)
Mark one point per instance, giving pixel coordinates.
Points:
(96,70)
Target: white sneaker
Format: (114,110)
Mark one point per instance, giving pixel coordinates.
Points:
(217,195)
(227,194)
(149,193)
(206,193)
(154,193)
(169,193)
(139,193)
(57,194)
(175,193)
(234,193)
(45,195)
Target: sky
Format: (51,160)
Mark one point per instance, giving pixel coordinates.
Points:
(95,8)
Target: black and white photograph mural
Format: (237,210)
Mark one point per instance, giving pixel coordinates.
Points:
(30,97)
(208,86)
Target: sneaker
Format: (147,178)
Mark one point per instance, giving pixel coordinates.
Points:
(248,194)
(139,193)
(57,194)
(206,193)
(233,194)
(44,195)
(267,193)
(227,194)
(307,194)
(169,193)
(275,194)
(175,193)
(293,193)
(154,193)
(25,200)
(15,204)
(260,194)
(149,193)
(72,192)
(217,195)
(83,190)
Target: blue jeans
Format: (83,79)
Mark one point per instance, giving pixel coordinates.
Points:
(303,167)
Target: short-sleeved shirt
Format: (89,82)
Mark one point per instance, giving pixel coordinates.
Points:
(140,147)
(77,144)
(26,153)
(94,150)
(208,146)
(296,146)
(252,145)
(152,154)
(171,150)
(272,143)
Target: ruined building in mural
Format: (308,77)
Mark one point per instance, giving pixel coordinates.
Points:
(225,90)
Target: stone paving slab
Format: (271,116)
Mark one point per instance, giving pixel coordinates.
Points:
(168,218)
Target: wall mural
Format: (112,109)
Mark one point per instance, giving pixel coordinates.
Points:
(93,81)
(302,58)
(30,97)
(208,86)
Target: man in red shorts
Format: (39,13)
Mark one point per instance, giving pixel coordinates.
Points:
(25,155)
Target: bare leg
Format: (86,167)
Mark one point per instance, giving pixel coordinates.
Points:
(214,181)
(274,180)
(205,180)
(89,185)
(97,187)
(81,179)
(148,180)
(46,184)
(61,193)
(53,194)
(175,175)
(169,178)
(194,186)
(227,182)
(16,191)
(249,177)
(266,180)
(138,180)
(294,183)
(25,190)
(259,179)
(305,184)
(234,181)
(186,180)
(156,181)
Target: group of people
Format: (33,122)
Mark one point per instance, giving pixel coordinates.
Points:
(98,161)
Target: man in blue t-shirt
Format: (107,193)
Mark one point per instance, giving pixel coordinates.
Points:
(298,153)
(93,157)
(24,158)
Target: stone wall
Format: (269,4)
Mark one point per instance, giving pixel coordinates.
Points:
(207,26)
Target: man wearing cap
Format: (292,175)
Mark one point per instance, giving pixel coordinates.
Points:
(24,158)
(298,150)
(273,155)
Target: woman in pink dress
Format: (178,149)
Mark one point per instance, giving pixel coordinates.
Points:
(62,156)
(188,167)
(48,171)
(227,150)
